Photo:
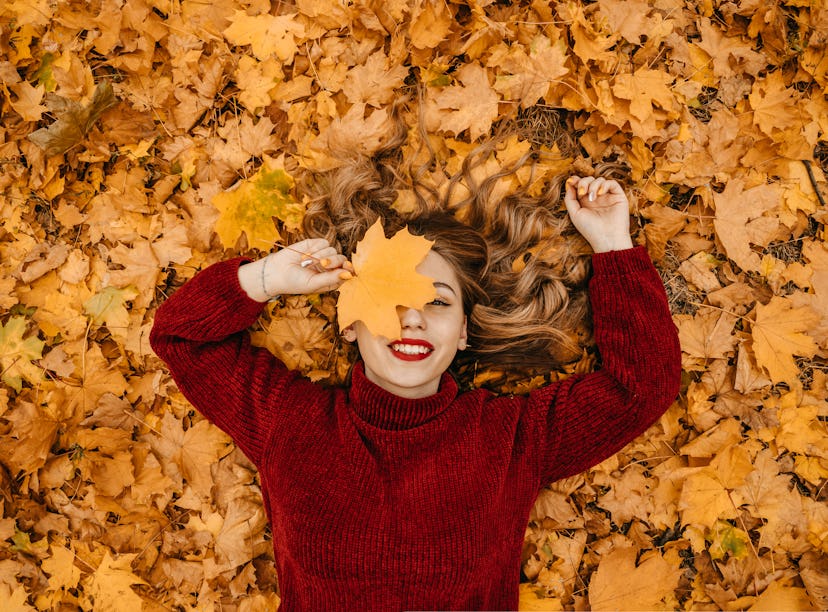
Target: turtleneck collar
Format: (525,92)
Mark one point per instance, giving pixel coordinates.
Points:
(384,410)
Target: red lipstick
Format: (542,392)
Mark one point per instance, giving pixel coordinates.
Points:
(411,349)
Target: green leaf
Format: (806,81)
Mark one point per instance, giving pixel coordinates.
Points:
(250,205)
(44,73)
(17,354)
(108,306)
(728,540)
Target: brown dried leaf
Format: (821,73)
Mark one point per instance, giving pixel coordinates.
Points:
(74,120)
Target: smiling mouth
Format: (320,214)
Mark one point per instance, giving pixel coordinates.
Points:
(411,350)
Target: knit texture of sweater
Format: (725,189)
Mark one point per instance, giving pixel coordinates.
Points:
(377,502)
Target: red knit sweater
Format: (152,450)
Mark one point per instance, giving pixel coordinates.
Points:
(382,503)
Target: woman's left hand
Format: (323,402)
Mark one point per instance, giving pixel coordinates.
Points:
(599,209)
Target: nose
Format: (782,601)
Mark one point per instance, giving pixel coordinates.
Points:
(410,318)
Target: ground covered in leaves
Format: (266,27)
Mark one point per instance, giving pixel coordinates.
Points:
(124,124)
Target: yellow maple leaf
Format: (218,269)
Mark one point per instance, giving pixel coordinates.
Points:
(704,499)
(375,82)
(707,335)
(645,89)
(619,584)
(250,205)
(782,596)
(355,132)
(528,74)
(242,524)
(633,20)
(17,354)
(111,585)
(95,377)
(266,34)
(772,102)
(430,24)
(293,336)
(745,217)
(60,567)
(472,106)
(34,431)
(109,307)
(190,454)
(532,599)
(29,98)
(779,334)
(256,79)
(386,277)
(15,599)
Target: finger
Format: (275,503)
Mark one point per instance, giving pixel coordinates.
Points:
(582,186)
(323,257)
(309,245)
(332,262)
(325,281)
(571,196)
(593,190)
(613,186)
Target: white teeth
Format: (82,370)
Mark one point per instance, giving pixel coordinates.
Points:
(411,349)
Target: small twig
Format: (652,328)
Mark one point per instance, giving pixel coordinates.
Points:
(813,181)
(318,263)
(308,258)
(730,312)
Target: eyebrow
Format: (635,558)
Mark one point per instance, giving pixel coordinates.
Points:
(446,286)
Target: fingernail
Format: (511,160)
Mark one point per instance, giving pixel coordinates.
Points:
(306,262)
(345,275)
(581,191)
(324,261)
(591,196)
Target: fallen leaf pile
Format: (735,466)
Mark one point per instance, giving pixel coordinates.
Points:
(141,141)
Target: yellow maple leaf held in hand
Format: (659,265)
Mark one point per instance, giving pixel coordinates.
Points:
(385,277)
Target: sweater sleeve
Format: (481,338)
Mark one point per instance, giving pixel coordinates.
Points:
(200,333)
(587,418)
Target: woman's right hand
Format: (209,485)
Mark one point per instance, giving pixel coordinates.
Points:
(309,266)
(599,209)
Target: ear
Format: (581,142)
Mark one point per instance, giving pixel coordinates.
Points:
(348,334)
(462,342)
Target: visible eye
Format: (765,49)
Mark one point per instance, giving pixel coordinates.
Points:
(438,301)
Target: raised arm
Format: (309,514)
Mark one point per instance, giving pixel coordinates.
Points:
(200,332)
(587,418)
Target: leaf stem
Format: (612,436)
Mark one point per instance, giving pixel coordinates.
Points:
(310,259)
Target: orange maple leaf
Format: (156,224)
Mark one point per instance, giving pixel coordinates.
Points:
(472,105)
(620,584)
(111,584)
(780,332)
(386,277)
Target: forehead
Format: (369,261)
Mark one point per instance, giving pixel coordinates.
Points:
(436,267)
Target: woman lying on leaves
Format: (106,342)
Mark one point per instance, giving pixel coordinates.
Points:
(399,491)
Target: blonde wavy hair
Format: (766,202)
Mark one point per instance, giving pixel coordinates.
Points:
(522,266)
